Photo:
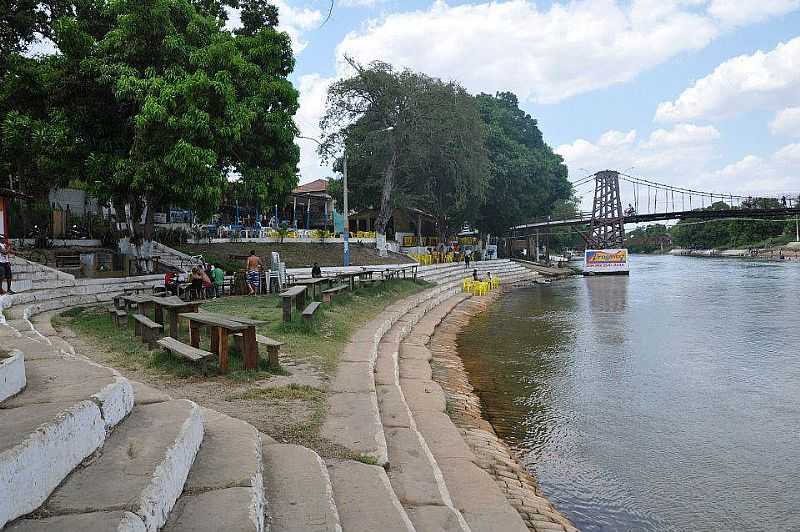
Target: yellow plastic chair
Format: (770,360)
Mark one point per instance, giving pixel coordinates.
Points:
(467,285)
(495,282)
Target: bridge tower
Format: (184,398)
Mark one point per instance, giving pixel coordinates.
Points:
(607,229)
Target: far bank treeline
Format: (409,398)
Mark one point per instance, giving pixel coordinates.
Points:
(416,141)
(713,234)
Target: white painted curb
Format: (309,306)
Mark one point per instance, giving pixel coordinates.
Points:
(12,375)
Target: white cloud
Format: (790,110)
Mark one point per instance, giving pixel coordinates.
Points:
(763,79)
(773,175)
(676,156)
(786,122)
(740,12)
(292,20)
(313,90)
(543,55)
(359,3)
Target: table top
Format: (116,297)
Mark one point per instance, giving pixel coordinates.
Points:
(312,280)
(237,319)
(293,291)
(208,319)
(138,298)
(174,302)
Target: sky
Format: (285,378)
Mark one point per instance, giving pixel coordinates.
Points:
(703,94)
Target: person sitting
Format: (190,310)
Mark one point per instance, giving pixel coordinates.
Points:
(316,271)
(475,276)
(171,283)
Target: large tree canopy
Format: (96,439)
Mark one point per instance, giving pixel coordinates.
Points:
(411,141)
(526,179)
(153,102)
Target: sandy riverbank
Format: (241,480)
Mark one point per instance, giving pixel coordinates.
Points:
(464,408)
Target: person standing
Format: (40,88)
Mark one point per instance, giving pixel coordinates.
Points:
(218,277)
(5,266)
(466,259)
(254,267)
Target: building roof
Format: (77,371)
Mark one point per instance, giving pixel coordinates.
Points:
(316,186)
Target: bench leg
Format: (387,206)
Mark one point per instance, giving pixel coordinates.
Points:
(215,340)
(326,298)
(137,328)
(287,309)
(194,335)
(274,362)
(223,350)
(250,348)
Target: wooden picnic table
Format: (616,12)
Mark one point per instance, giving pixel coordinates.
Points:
(391,273)
(315,283)
(350,277)
(143,302)
(296,293)
(222,326)
(173,306)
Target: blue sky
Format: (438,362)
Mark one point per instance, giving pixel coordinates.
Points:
(700,93)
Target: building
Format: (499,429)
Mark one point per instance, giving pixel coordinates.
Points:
(309,206)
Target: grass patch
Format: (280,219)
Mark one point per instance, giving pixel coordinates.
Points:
(124,350)
(320,342)
(292,392)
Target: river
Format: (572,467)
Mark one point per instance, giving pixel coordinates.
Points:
(666,400)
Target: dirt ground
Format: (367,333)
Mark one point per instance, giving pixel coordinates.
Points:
(281,417)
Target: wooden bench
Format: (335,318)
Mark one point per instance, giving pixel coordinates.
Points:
(273,347)
(68,260)
(149,330)
(308,312)
(119,316)
(188,352)
(327,295)
(297,294)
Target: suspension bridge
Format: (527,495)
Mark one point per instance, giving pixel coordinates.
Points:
(650,201)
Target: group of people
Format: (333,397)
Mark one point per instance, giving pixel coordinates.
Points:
(205,282)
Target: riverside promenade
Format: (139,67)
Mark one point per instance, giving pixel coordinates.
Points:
(83,448)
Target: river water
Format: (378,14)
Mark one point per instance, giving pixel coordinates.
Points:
(667,400)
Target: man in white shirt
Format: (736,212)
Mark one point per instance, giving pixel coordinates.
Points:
(5,266)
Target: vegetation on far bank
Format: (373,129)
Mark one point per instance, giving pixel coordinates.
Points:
(714,234)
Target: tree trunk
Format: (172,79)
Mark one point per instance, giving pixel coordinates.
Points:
(386,205)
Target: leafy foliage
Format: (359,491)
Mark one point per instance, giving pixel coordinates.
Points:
(411,140)
(526,179)
(153,102)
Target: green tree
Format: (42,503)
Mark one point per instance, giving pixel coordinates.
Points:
(162,106)
(526,179)
(411,140)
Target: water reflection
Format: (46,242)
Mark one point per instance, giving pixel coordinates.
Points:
(663,401)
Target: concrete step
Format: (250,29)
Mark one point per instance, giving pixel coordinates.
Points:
(142,467)
(365,499)
(91,522)
(12,373)
(298,490)
(39,446)
(225,487)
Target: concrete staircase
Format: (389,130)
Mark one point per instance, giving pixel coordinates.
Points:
(385,407)
(83,448)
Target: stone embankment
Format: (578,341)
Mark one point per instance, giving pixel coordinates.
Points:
(82,448)
(494,456)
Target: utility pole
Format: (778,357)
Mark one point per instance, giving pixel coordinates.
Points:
(346,213)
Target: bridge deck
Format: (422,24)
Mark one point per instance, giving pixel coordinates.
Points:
(678,215)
